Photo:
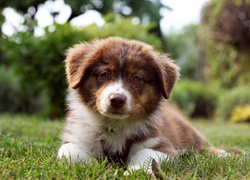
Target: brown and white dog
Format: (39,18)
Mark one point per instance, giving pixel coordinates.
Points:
(117,102)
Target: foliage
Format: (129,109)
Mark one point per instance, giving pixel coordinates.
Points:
(230,99)
(195,98)
(150,9)
(149,12)
(12,97)
(241,113)
(183,47)
(229,21)
(29,148)
(224,33)
(38,61)
(9,91)
(226,66)
(118,26)
(20,5)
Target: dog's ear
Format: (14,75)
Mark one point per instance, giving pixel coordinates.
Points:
(168,74)
(77,62)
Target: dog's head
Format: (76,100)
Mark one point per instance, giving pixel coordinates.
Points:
(120,78)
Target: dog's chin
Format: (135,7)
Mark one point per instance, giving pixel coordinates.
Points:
(115,115)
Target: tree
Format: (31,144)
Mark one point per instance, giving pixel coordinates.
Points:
(20,5)
(184,50)
(229,22)
(225,36)
(147,11)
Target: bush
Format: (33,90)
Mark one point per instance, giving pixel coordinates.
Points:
(225,39)
(38,61)
(230,99)
(12,97)
(183,47)
(9,91)
(195,98)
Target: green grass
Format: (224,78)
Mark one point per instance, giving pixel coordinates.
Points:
(28,150)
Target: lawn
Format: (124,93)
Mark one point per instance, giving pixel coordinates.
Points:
(28,150)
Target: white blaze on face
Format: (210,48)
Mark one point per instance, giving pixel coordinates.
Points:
(105,106)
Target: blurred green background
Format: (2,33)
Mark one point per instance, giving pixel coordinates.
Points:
(214,54)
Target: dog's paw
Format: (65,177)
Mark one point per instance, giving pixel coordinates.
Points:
(224,155)
(219,152)
(73,153)
(154,172)
(134,168)
(131,169)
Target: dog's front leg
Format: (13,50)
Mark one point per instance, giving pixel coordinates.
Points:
(74,153)
(142,159)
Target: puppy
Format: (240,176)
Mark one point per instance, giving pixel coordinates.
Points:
(118,108)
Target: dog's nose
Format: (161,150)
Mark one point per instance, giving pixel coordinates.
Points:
(117,100)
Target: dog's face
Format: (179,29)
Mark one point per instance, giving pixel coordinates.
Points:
(120,78)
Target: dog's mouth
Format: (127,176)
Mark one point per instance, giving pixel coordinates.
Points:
(115,113)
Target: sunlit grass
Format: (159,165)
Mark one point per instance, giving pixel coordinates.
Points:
(28,150)
(226,135)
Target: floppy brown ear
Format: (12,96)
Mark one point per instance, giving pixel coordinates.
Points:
(76,64)
(168,74)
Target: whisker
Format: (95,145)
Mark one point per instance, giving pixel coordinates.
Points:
(139,111)
(91,101)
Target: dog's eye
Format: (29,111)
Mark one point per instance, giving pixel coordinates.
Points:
(137,79)
(105,75)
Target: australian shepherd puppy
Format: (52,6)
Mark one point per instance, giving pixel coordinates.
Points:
(118,108)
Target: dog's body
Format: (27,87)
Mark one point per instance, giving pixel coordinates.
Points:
(117,105)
